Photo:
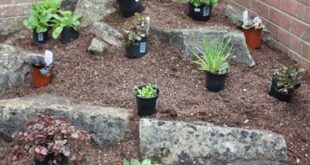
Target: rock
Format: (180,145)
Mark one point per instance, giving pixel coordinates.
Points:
(97,46)
(93,10)
(107,33)
(12,67)
(235,15)
(68,4)
(109,125)
(180,143)
(186,39)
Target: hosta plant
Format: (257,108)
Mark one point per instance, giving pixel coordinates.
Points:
(137,162)
(214,56)
(147,91)
(65,19)
(248,23)
(288,78)
(137,28)
(48,134)
(40,17)
(198,3)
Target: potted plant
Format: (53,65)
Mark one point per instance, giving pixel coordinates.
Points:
(50,140)
(214,61)
(146,96)
(130,7)
(38,21)
(43,68)
(67,25)
(252,30)
(200,9)
(285,81)
(137,162)
(136,36)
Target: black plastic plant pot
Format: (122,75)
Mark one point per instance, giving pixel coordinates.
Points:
(68,35)
(201,13)
(49,157)
(146,106)
(64,160)
(274,91)
(215,82)
(130,7)
(40,38)
(137,49)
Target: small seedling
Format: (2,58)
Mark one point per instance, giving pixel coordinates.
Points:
(147,91)
(137,162)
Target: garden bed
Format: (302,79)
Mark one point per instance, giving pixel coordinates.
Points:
(109,79)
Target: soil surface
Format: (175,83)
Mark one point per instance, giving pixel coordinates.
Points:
(108,79)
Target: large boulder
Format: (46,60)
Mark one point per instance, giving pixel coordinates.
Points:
(109,125)
(12,67)
(187,39)
(93,10)
(179,143)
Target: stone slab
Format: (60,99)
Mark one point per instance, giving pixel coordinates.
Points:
(109,125)
(180,143)
(184,39)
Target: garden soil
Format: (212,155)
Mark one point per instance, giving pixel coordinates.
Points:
(108,79)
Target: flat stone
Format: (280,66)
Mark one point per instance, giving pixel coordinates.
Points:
(93,10)
(109,125)
(180,143)
(97,46)
(107,33)
(186,39)
(235,15)
(12,67)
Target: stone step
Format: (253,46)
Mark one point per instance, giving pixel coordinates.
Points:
(186,39)
(109,125)
(180,143)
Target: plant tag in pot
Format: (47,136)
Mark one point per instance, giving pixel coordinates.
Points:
(206,11)
(142,47)
(48,58)
(40,37)
(197,10)
(137,0)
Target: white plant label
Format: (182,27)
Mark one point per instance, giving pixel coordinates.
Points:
(40,36)
(269,89)
(197,10)
(137,0)
(48,58)
(206,11)
(142,47)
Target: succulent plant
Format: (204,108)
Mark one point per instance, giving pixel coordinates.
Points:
(288,78)
(48,134)
(248,23)
(46,63)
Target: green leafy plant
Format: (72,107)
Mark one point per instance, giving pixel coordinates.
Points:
(215,56)
(288,78)
(137,162)
(198,3)
(137,28)
(65,19)
(41,15)
(147,91)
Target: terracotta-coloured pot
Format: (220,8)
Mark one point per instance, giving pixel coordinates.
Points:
(38,79)
(253,37)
